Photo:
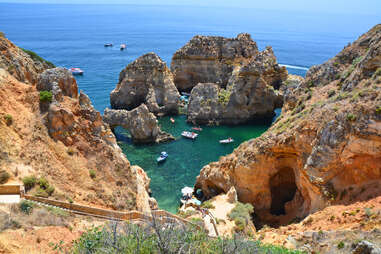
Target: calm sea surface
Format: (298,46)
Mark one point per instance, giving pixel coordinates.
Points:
(73,36)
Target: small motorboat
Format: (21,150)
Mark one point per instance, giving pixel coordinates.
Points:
(76,71)
(123,46)
(163,156)
(197,128)
(190,135)
(172,120)
(226,141)
(108,45)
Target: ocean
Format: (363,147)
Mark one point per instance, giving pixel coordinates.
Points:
(74,35)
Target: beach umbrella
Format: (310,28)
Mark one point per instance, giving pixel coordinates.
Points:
(187,191)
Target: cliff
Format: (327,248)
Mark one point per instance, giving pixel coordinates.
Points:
(249,95)
(324,149)
(210,59)
(146,80)
(56,142)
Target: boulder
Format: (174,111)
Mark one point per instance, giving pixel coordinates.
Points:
(249,94)
(140,123)
(210,59)
(59,81)
(146,80)
(365,247)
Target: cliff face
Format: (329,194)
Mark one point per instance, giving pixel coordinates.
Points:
(210,59)
(62,138)
(249,93)
(146,80)
(324,149)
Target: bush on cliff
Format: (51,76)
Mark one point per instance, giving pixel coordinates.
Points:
(164,238)
(29,182)
(46,96)
(4,176)
(241,215)
(37,58)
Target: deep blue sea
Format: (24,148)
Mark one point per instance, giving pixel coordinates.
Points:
(73,36)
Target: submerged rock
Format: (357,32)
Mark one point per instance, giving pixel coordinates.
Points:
(210,59)
(249,93)
(140,123)
(146,80)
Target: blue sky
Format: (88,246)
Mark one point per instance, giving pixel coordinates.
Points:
(332,6)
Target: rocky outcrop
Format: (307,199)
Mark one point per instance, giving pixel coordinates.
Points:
(24,65)
(324,149)
(210,59)
(249,93)
(59,81)
(140,123)
(146,80)
(68,144)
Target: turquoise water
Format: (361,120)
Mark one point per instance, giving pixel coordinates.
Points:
(186,157)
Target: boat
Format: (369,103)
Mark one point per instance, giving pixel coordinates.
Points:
(226,141)
(163,156)
(123,46)
(197,128)
(185,94)
(108,45)
(76,71)
(190,135)
(172,120)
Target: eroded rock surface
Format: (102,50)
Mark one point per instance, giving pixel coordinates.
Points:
(140,123)
(210,59)
(324,149)
(249,93)
(146,80)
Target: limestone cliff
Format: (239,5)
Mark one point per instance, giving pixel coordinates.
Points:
(146,80)
(249,93)
(140,123)
(324,149)
(57,135)
(210,59)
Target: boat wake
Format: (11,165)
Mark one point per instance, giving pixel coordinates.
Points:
(294,67)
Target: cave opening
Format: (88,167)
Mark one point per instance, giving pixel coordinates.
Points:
(283,189)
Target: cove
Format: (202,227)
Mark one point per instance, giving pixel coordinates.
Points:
(186,157)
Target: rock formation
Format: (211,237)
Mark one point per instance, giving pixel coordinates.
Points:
(249,93)
(24,65)
(68,144)
(324,149)
(140,123)
(210,59)
(146,80)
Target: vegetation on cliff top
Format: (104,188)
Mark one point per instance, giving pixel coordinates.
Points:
(37,58)
(164,238)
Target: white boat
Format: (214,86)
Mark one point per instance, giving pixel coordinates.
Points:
(108,45)
(76,71)
(163,156)
(226,141)
(190,135)
(123,46)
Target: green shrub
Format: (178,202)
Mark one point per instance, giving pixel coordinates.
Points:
(340,245)
(4,176)
(224,96)
(46,96)
(50,190)
(37,58)
(241,215)
(26,206)
(208,205)
(70,200)
(356,60)
(378,110)
(8,119)
(43,182)
(29,182)
(41,193)
(377,73)
(351,117)
(331,93)
(92,173)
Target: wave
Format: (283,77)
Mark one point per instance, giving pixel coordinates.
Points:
(294,67)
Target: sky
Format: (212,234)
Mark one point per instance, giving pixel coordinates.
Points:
(330,6)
